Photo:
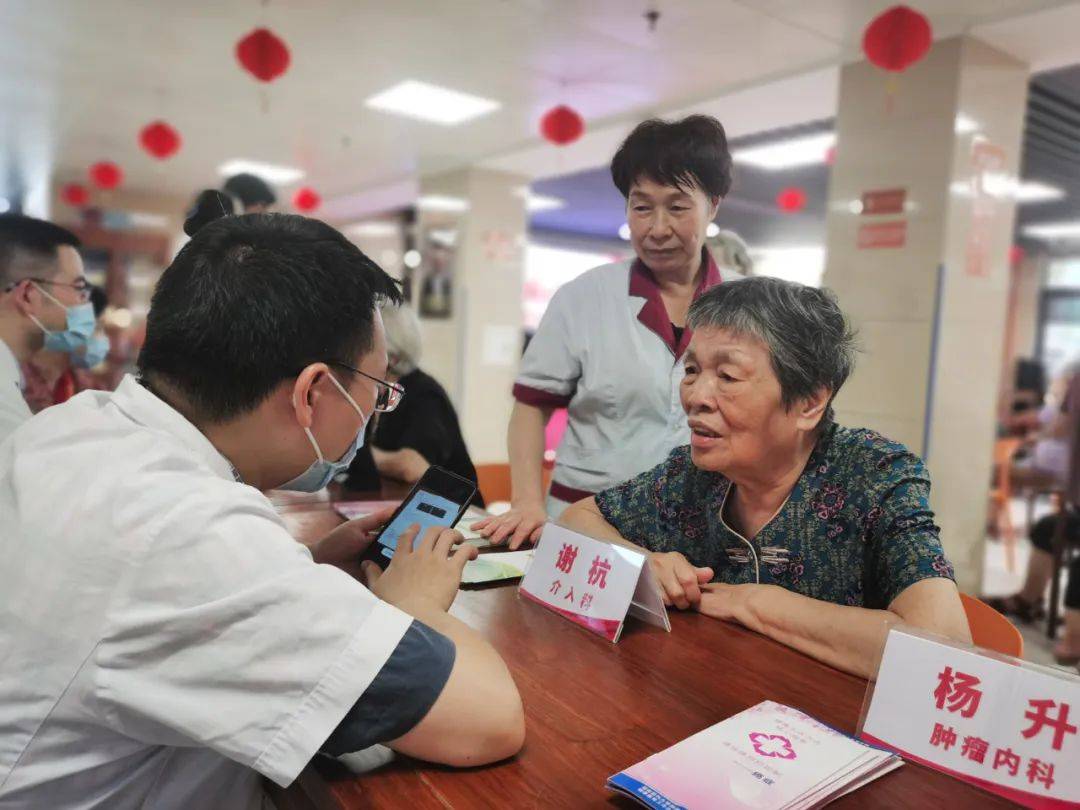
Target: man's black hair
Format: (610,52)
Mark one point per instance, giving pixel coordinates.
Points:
(209,204)
(690,152)
(28,247)
(250,301)
(250,190)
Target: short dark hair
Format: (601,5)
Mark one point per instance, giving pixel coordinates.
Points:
(208,205)
(27,245)
(250,301)
(811,344)
(689,152)
(250,190)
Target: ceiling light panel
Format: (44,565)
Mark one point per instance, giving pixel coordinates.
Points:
(428,102)
(270,172)
(787,154)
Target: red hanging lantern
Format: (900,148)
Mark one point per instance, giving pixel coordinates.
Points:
(106,175)
(306,199)
(75,194)
(1016,255)
(263,54)
(791,200)
(160,140)
(562,125)
(897,38)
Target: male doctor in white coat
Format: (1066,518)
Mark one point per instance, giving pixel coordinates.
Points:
(164,642)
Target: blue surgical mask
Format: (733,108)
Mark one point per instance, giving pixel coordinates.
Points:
(80,326)
(97,348)
(322,471)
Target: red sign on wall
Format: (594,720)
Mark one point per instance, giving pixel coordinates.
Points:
(884,201)
(891,234)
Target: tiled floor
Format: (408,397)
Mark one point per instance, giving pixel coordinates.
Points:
(999,581)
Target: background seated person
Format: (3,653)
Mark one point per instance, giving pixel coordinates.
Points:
(424,429)
(1021,416)
(1045,467)
(164,641)
(775,517)
(1060,461)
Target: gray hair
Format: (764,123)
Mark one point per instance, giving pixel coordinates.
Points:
(732,252)
(402,338)
(810,342)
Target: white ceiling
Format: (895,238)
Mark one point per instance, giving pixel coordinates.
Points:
(79,78)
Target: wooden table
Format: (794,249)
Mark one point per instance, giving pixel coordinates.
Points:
(593,708)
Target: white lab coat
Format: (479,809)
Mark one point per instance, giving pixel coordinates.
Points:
(13,408)
(163,639)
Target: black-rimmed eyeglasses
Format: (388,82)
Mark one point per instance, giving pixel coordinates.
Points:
(389,394)
(80,285)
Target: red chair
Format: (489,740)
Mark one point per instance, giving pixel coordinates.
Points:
(493,481)
(991,630)
(1001,496)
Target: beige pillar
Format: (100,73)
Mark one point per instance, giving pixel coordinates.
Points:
(475,352)
(922,265)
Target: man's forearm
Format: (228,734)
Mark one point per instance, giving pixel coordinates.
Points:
(438,619)
(848,638)
(474,652)
(478,717)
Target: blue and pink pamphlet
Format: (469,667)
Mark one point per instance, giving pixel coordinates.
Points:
(769,756)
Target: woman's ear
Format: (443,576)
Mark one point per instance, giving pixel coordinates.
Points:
(811,409)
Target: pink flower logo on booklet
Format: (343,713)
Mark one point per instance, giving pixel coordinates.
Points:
(772,745)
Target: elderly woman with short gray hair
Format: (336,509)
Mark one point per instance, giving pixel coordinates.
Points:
(424,429)
(774,516)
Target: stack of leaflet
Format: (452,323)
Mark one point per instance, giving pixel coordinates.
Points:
(496,566)
(769,756)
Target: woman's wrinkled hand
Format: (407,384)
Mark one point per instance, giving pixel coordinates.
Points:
(522,523)
(680,581)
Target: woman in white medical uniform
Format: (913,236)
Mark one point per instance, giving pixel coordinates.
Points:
(609,346)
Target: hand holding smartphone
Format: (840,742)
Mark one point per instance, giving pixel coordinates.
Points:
(439,498)
(425,573)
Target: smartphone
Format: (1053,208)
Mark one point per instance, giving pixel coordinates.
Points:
(439,498)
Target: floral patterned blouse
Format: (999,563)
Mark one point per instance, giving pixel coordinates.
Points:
(856,530)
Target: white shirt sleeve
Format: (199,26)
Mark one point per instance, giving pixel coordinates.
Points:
(551,366)
(223,633)
(13,408)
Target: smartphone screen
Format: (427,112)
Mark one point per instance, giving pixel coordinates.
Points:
(438,499)
(423,507)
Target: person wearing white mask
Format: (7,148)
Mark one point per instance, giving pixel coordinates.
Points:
(164,641)
(44,303)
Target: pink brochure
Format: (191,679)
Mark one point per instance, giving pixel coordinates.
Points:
(769,756)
